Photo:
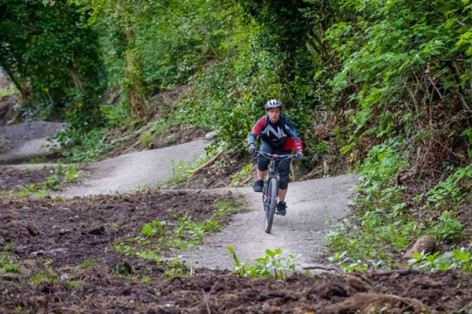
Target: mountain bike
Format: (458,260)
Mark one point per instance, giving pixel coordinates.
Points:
(270,190)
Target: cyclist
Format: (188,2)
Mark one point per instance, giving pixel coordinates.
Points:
(278,136)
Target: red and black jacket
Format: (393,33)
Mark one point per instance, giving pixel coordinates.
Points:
(281,135)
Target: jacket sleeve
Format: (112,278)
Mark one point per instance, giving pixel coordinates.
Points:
(256,130)
(293,134)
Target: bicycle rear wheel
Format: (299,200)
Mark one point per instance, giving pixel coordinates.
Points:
(270,203)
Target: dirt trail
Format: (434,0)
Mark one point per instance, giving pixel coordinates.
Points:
(313,206)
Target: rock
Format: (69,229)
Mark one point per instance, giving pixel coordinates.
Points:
(98,231)
(32,230)
(52,252)
(64,231)
(210,135)
(425,244)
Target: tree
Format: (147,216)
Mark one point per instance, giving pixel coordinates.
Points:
(119,19)
(53,59)
(285,32)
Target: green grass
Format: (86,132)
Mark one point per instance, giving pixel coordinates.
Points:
(88,263)
(43,277)
(8,265)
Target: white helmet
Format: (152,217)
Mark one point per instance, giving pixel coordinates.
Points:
(273,103)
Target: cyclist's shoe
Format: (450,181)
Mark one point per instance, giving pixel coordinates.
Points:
(258,185)
(281,208)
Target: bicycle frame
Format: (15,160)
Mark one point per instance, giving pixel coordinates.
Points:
(273,170)
(271,186)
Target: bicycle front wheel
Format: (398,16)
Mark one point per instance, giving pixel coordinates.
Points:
(271,203)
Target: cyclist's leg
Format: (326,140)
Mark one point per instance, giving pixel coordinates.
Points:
(284,170)
(282,194)
(263,163)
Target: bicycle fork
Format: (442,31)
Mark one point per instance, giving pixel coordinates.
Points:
(265,193)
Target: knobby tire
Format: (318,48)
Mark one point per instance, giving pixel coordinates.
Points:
(271,203)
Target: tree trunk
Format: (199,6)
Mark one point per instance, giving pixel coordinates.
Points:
(134,87)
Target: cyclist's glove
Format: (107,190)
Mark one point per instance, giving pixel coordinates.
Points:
(299,155)
(252,149)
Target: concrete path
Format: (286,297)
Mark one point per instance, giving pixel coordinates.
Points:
(27,140)
(313,207)
(136,170)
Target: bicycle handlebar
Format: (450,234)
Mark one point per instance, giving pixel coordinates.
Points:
(275,156)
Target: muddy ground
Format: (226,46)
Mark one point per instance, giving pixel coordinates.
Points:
(34,178)
(81,256)
(12,179)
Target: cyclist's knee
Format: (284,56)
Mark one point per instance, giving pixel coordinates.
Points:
(262,164)
(283,183)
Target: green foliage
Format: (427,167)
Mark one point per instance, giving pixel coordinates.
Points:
(463,259)
(274,264)
(377,172)
(53,60)
(181,38)
(31,190)
(347,264)
(115,115)
(242,174)
(8,264)
(432,262)
(43,277)
(146,138)
(181,232)
(7,91)
(447,228)
(175,268)
(284,31)
(183,171)
(460,259)
(394,77)
(88,263)
(123,269)
(189,232)
(452,191)
(225,208)
(155,228)
(383,220)
(82,146)
(75,284)
(396,56)
(468,133)
(375,238)
(61,176)
(151,46)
